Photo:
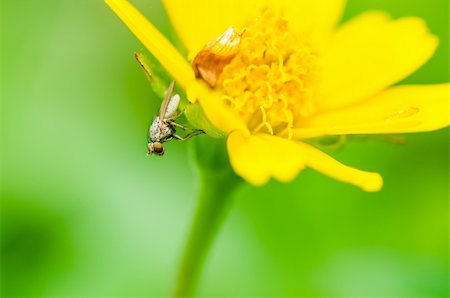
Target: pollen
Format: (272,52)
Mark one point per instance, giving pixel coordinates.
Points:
(270,80)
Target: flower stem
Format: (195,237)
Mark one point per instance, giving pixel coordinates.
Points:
(217,185)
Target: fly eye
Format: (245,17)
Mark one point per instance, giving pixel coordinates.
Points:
(158,148)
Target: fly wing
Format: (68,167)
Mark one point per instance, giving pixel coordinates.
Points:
(172,107)
(166,101)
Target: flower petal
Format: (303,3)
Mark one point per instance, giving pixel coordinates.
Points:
(154,41)
(200,21)
(396,110)
(325,164)
(257,158)
(370,53)
(215,109)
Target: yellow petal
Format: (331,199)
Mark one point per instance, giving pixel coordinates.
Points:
(154,41)
(325,164)
(396,110)
(200,21)
(215,109)
(258,158)
(370,53)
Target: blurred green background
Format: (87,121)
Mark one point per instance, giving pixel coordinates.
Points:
(85,212)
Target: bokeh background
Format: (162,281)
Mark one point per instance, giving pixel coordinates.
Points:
(85,212)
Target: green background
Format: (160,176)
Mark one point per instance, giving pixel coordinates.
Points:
(85,212)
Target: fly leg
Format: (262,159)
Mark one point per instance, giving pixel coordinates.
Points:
(179,125)
(189,135)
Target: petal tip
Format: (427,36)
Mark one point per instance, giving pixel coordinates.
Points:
(373,183)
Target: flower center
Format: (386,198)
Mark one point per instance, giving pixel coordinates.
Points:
(269,81)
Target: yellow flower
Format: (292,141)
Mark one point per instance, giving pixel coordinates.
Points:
(295,76)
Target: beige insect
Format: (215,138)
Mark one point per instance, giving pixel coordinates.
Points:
(163,127)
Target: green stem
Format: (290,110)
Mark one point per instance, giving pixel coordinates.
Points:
(213,203)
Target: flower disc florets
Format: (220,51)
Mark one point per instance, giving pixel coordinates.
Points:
(270,80)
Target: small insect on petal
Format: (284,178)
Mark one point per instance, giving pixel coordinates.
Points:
(210,61)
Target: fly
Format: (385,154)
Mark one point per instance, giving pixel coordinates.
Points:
(164,127)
